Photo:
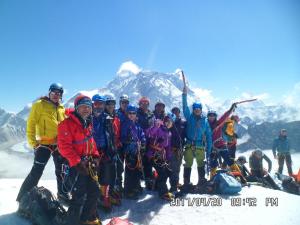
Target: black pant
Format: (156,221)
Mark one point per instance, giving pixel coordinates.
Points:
(41,157)
(106,169)
(288,160)
(119,166)
(161,182)
(147,165)
(83,205)
(132,174)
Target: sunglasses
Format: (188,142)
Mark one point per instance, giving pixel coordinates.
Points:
(131,113)
(58,93)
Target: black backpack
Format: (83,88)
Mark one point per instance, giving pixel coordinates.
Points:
(41,207)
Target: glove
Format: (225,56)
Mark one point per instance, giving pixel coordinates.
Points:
(82,168)
(233,107)
(96,162)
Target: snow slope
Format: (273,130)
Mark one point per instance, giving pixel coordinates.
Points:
(149,209)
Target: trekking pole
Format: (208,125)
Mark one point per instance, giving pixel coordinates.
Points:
(244,101)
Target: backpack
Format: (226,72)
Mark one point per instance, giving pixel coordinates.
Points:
(119,221)
(41,207)
(228,131)
(226,183)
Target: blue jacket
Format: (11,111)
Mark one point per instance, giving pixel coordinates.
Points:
(131,134)
(99,130)
(281,145)
(198,130)
(121,114)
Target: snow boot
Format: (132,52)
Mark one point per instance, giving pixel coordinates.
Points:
(213,172)
(131,195)
(91,222)
(168,196)
(201,176)
(105,198)
(186,180)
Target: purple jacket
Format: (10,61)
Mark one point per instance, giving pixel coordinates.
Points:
(159,140)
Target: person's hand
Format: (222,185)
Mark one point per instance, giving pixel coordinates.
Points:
(233,107)
(96,162)
(82,168)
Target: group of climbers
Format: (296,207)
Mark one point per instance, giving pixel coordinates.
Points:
(98,142)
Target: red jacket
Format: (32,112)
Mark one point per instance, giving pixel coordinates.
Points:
(216,127)
(75,141)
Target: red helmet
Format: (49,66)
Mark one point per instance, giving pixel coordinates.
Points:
(82,100)
(144,100)
(235,118)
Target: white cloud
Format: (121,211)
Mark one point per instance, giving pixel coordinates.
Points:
(262,96)
(205,96)
(128,68)
(293,97)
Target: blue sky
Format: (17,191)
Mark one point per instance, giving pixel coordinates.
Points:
(228,46)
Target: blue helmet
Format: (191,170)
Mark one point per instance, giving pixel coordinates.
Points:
(212,113)
(56,87)
(131,108)
(98,98)
(197,105)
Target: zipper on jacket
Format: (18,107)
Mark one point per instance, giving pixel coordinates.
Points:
(44,127)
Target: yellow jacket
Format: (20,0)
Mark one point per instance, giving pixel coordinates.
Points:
(43,121)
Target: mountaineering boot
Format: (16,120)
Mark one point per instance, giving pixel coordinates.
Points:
(92,222)
(105,198)
(201,176)
(186,179)
(168,196)
(213,172)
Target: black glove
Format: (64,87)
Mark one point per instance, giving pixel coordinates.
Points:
(82,168)
(95,162)
(233,107)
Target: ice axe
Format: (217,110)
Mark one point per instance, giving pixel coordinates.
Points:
(183,79)
(244,101)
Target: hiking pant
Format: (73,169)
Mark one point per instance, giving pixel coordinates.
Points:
(161,181)
(147,165)
(175,164)
(132,174)
(214,158)
(192,152)
(106,170)
(85,193)
(232,151)
(41,158)
(119,170)
(288,160)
